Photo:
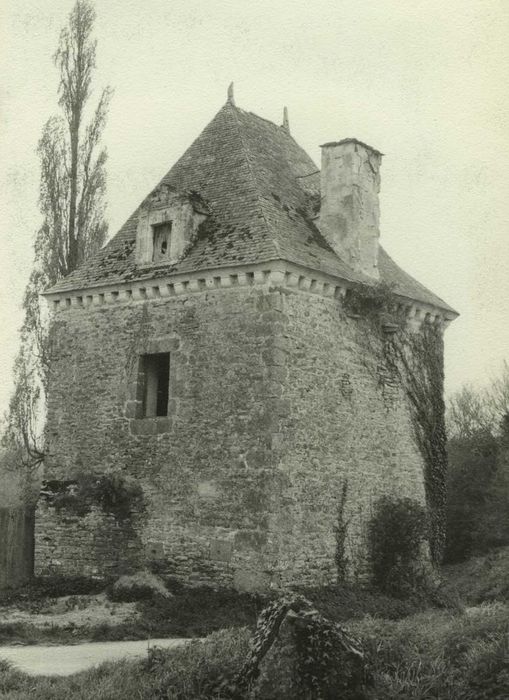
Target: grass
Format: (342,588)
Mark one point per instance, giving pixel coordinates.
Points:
(481,579)
(440,655)
(197,612)
(434,655)
(187,672)
(194,612)
(415,652)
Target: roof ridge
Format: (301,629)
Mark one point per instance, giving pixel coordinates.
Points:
(254,177)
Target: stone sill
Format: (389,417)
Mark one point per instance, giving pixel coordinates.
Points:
(150,426)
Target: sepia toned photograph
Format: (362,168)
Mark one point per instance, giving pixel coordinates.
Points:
(254,399)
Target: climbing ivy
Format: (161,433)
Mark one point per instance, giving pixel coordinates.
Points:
(329,662)
(420,354)
(340,532)
(113,492)
(414,360)
(373,302)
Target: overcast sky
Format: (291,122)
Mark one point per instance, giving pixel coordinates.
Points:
(424,82)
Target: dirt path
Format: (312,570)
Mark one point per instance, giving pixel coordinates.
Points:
(64,660)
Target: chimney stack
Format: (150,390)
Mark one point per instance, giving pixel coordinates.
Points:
(350,211)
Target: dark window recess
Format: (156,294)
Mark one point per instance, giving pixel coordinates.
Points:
(156,370)
(161,233)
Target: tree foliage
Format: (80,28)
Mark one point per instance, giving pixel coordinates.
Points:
(478,479)
(72,206)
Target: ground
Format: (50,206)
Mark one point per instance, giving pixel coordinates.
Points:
(72,611)
(417,650)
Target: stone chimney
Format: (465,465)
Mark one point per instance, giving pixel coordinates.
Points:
(350,212)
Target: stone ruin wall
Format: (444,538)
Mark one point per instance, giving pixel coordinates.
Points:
(242,480)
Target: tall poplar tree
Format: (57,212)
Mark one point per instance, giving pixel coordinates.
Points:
(72,205)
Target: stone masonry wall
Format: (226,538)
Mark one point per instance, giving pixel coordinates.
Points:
(205,469)
(277,399)
(349,423)
(88,545)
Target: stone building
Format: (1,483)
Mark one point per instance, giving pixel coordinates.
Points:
(210,362)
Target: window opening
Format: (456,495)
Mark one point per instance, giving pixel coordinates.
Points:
(161,235)
(156,369)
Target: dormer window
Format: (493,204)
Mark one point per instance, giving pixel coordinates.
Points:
(168,222)
(161,237)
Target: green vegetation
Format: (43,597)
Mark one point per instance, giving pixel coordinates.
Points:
(480,579)
(440,655)
(478,477)
(115,493)
(187,672)
(191,612)
(397,533)
(432,655)
(194,612)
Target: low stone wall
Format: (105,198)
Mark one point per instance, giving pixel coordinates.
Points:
(92,544)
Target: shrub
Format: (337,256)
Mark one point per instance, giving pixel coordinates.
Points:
(119,495)
(42,587)
(397,534)
(478,496)
(201,610)
(138,586)
(348,601)
(196,670)
(114,492)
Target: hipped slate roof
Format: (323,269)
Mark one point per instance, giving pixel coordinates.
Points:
(262,190)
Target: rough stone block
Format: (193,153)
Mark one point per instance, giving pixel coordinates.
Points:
(221,550)
(249,580)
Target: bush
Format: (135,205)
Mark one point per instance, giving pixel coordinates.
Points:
(119,495)
(201,610)
(53,587)
(196,670)
(347,602)
(138,586)
(397,534)
(114,492)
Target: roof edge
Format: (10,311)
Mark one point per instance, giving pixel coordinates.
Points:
(281,271)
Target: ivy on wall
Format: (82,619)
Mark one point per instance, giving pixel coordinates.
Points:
(340,533)
(413,360)
(112,492)
(421,357)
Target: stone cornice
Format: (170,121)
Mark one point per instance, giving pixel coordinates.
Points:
(269,275)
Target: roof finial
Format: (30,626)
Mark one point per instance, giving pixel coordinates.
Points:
(286,123)
(231,98)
